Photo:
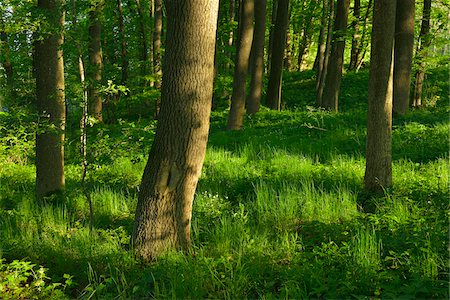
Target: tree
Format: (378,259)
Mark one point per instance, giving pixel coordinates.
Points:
(424,43)
(257,58)
(403,54)
(5,53)
(333,77)
(123,43)
(378,173)
(164,209)
(49,70)
(157,33)
(241,68)
(95,59)
(356,36)
(273,99)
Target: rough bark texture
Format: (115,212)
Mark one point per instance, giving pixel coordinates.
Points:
(356,36)
(95,59)
(257,69)
(403,54)
(425,42)
(49,70)
(332,85)
(164,210)
(157,33)
(320,84)
(123,43)
(379,122)
(237,109)
(273,99)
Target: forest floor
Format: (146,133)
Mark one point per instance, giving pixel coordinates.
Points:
(279,212)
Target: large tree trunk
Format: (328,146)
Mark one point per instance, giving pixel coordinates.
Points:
(424,43)
(257,69)
(379,122)
(123,44)
(322,74)
(157,33)
(164,209)
(403,54)
(49,70)
(273,99)
(237,109)
(356,36)
(332,85)
(95,59)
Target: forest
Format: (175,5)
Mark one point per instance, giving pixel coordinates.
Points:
(224,149)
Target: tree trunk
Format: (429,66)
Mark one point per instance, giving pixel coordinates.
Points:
(6,56)
(257,70)
(49,70)
(276,64)
(403,54)
(95,59)
(164,209)
(332,85)
(320,83)
(123,44)
(144,42)
(424,43)
(237,109)
(362,49)
(356,37)
(157,33)
(273,19)
(318,62)
(379,122)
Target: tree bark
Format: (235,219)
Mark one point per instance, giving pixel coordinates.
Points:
(276,64)
(157,33)
(144,42)
(403,54)
(123,44)
(362,49)
(321,44)
(332,85)
(237,109)
(378,173)
(356,37)
(257,69)
(49,70)
(273,19)
(95,59)
(424,43)
(164,209)
(320,83)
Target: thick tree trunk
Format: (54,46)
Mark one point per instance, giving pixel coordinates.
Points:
(96,60)
(273,99)
(379,122)
(157,33)
(320,83)
(164,209)
(237,109)
(356,36)
(332,85)
(257,69)
(424,43)
(403,54)
(49,70)
(123,44)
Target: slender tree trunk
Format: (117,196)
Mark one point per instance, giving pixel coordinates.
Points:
(6,55)
(424,43)
(164,209)
(288,47)
(157,33)
(356,36)
(237,109)
(257,70)
(403,54)
(271,33)
(334,72)
(363,45)
(95,59)
(321,43)
(144,41)
(379,122)
(276,65)
(123,44)
(49,70)
(320,84)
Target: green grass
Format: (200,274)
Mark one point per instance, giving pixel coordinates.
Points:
(278,212)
